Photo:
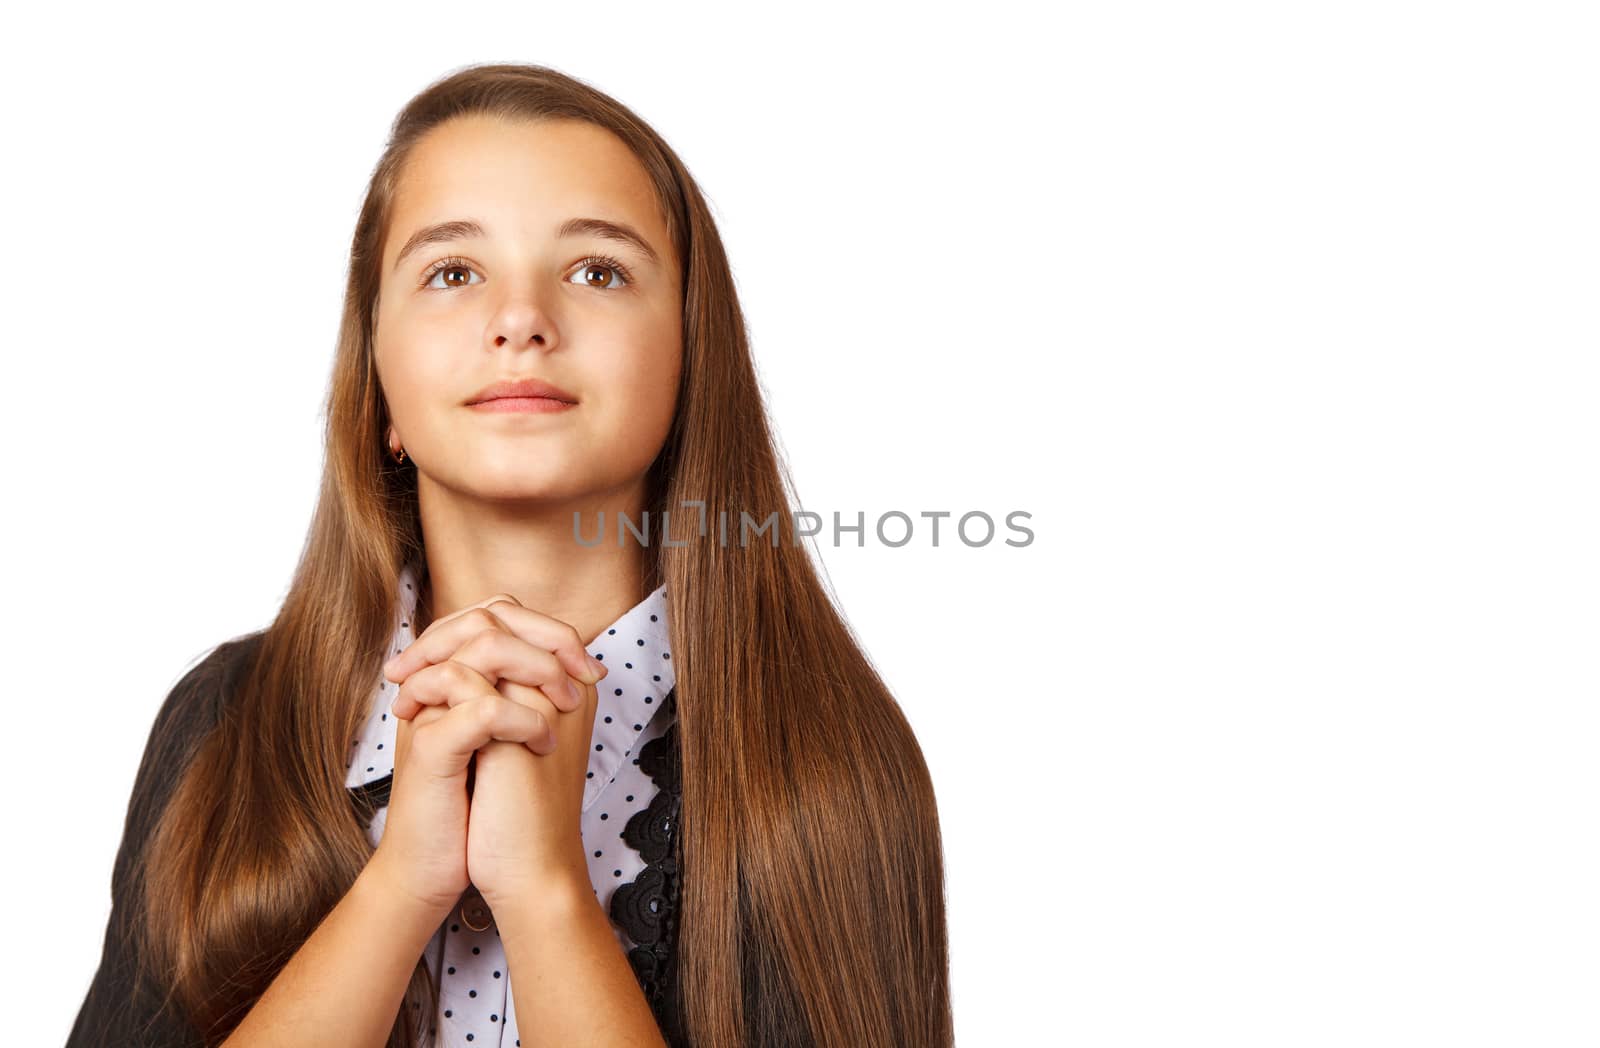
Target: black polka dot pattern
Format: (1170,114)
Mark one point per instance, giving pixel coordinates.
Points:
(475,1001)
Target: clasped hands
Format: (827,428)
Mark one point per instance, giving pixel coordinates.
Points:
(515,689)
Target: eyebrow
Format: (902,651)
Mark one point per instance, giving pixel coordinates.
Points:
(467,229)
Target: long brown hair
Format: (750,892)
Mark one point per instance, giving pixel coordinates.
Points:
(813,891)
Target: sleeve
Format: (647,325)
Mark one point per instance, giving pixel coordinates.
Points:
(124,1007)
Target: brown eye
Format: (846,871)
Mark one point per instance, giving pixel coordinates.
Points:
(599,272)
(453,267)
(590,277)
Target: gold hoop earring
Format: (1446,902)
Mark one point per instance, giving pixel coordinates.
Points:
(400,456)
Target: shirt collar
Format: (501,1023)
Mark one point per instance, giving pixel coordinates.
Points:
(636,649)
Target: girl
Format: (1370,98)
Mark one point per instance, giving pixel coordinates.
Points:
(543,747)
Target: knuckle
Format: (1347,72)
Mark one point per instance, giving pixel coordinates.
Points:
(459,673)
(482,641)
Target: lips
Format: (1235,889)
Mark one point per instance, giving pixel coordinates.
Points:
(522,388)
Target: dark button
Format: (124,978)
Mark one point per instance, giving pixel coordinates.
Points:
(475,913)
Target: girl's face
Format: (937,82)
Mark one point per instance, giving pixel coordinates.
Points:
(514,288)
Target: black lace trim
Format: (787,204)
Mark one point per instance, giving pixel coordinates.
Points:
(646,908)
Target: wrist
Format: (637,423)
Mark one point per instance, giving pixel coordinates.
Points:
(378,881)
(535,903)
(555,880)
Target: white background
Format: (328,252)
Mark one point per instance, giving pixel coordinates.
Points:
(1279,319)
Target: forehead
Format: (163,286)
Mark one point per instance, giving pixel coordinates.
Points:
(522,178)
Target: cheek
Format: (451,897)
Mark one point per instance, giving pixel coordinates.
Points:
(641,400)
(414,377)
